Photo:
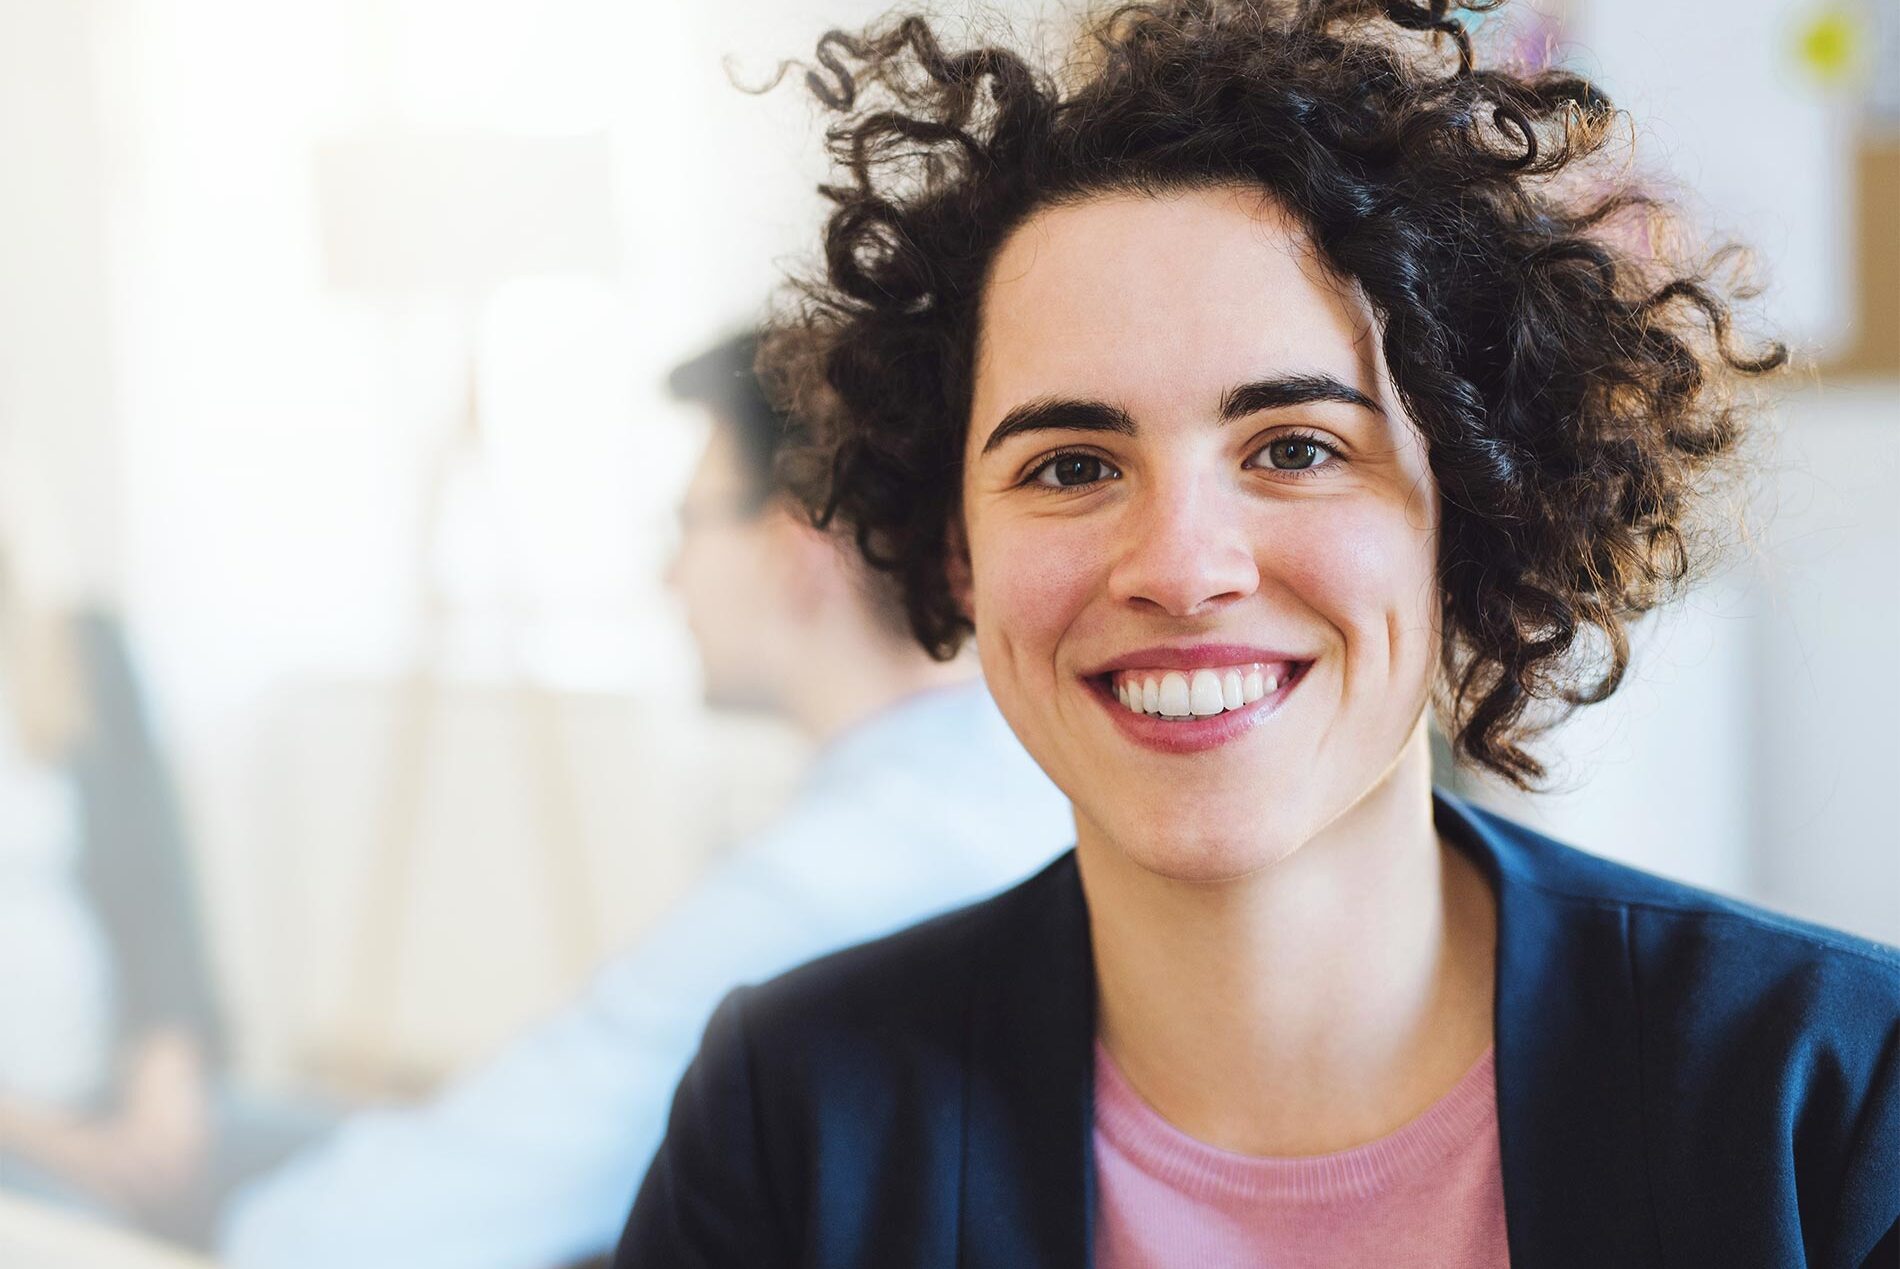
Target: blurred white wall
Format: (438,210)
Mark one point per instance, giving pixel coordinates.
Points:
(1681,722)
(1825,744)
(61,500)
(1756,744)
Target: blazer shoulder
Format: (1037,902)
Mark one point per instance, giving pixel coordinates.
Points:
(1764,1036)
(1677,911)
(910,981)
(1768,983)
(1762,1040)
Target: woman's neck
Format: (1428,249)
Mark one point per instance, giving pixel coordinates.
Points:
(1314,1005)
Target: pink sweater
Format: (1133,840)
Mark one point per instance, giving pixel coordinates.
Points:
(1430,1193)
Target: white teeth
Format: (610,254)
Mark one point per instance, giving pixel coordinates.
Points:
(1204,698)
(1174,694)
(1184,694)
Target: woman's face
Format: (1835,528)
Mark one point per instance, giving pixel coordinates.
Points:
(1189,483)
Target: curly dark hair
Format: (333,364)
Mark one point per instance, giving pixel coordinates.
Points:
(1576,388)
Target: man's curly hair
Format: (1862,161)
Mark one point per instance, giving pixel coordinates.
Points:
(1574,387)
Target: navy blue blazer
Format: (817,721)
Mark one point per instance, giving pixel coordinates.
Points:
(1682,1080)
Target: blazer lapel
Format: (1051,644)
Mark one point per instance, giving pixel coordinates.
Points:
(1568,1061)
(1026,1183)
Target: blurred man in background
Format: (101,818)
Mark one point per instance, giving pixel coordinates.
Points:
(919,799)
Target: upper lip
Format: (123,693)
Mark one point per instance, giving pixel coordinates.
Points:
(1198,656)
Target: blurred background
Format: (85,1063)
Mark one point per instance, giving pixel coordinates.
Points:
(333,345)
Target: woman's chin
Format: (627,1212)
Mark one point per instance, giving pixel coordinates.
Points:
(1205,857)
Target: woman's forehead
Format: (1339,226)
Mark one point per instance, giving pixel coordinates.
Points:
(1159,301)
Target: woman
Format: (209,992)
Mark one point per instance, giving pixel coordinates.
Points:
(105,1100)
(113,1096)
(1272,379)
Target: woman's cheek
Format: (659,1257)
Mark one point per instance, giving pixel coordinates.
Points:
(1034,582)
(1365,570)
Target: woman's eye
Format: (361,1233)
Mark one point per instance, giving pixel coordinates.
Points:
(1295,453)
(1072,471)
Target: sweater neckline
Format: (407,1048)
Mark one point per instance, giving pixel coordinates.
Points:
(1407,1154)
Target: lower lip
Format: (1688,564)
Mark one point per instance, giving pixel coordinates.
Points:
(1199,734)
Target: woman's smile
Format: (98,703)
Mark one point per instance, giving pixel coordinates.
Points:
(1196,698)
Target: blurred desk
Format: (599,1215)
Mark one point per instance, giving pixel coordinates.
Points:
(34,1236)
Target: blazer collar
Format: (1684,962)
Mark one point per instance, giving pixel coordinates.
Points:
(1568,1068)
(1569,1057)
(1028,1163)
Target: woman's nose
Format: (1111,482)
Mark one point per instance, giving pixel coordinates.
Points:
(1184,549)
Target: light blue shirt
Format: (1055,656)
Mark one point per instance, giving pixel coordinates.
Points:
(532,1160)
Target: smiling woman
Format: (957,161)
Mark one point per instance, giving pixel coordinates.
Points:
(1238,491)
(1254,388)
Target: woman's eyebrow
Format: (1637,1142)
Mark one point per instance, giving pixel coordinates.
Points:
(1284,390)
(1273,393)
(1066,414)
